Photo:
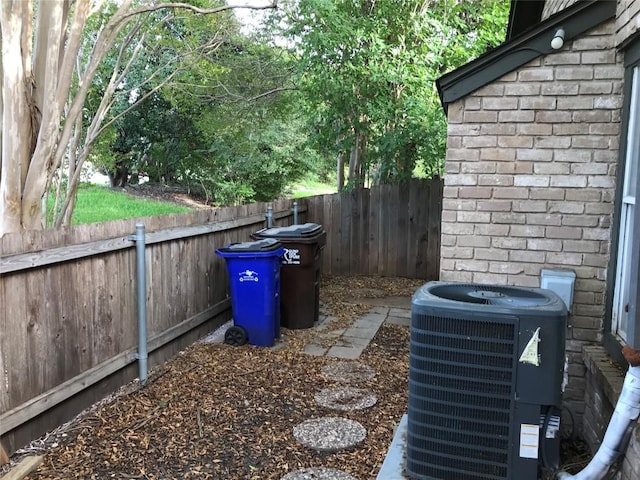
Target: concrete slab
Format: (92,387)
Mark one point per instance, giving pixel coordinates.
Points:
(347,341)
(332,333)
(350,342)
(360,332)
(350,353)
(372,322)
(279,344)
(393,320)
(315,350)
(393,465)
(400,312)
(379,310)
(323,322)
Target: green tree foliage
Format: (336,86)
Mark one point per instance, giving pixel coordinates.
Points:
(224,124)
(241,116)
(367,70)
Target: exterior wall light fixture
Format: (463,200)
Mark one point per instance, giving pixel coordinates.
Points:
(558,39)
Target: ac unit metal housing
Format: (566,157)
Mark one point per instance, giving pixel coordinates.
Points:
(486,370)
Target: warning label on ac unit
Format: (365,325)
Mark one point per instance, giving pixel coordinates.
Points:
(529,440)
(530,354)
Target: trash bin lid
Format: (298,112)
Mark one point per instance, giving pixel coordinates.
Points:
(294,231)
(264,245)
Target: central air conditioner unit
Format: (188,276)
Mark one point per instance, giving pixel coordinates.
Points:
(486,372)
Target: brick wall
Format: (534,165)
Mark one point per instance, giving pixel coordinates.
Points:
(530,180)
(628,20)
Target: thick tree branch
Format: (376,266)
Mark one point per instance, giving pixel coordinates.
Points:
(201,11)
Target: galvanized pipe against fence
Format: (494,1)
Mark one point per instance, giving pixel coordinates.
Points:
(141,291)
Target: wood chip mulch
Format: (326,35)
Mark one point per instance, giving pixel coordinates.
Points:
(222,412)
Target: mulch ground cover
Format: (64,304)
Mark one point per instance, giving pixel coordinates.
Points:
(217,411)
(222,412)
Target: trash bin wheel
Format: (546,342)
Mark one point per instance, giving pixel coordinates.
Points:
(235,336)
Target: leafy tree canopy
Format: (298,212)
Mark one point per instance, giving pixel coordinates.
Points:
(367,70)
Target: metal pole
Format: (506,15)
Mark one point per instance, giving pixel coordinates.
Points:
(295,213)
(269,217)
(141,289)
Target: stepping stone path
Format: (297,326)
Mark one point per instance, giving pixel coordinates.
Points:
(329,434)
(348,372)
(345,398)
(332,434)
(319,473)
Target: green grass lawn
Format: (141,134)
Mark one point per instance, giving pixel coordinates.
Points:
(309,188)
(97,203)
(100,204)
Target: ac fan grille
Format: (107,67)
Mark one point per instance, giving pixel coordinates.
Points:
(461,390)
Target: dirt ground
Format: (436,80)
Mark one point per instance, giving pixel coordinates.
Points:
(172,194)
(222,412)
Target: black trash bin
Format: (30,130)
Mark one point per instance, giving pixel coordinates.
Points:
(300,272)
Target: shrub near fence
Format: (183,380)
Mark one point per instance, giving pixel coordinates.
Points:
(68,323)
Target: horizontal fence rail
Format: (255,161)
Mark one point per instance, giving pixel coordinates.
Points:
(68,326)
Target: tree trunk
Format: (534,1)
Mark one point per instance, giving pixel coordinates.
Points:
(356,161)
(37,105)
(340,171)
(16,118)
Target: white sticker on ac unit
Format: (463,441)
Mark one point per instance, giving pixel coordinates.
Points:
(530,354)
(529,440)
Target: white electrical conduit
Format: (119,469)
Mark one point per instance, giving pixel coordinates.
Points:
(618,433)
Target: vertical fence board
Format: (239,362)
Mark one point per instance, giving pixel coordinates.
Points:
(336,233)
(327,215)
(4,329)
(403,240)
(14,347)
(389,226)
(55,328)
(434,224)
(352,221)
(364,233)
(62,319)
(413,216)
(39,335)
(345,237)
(374,232)
(4,334)
(81,274)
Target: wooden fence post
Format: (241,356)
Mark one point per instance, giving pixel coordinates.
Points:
(4,458)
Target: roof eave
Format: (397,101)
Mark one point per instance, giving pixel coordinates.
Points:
(518,51)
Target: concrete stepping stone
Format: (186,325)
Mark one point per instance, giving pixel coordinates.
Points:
(318,473)
(329,434)
(345,399)
(348,372)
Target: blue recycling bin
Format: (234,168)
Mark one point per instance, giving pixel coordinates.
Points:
(254,282)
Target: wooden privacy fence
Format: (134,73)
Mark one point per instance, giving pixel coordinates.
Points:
(68,320)
(388,230)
